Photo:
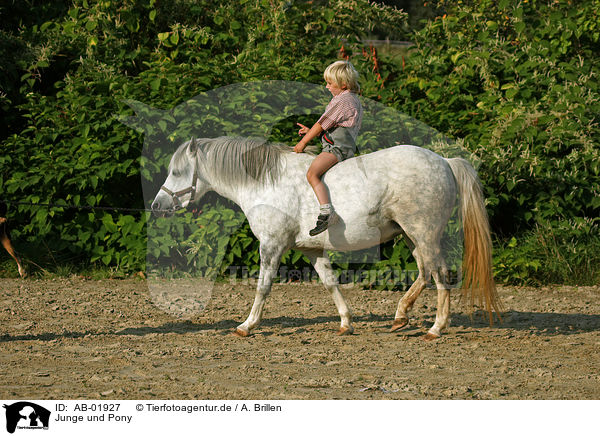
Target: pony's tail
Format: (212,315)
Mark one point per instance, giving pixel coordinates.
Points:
(478,281)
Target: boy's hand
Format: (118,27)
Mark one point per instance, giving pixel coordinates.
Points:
(299,147)
(309,134)
(303,129)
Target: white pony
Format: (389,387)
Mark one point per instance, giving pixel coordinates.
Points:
(403,190)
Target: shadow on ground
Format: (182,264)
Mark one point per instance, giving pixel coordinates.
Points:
(540,323)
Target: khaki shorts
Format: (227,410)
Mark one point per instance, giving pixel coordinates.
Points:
(339,143)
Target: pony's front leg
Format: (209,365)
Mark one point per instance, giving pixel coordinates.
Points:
(323,267)
(269,263)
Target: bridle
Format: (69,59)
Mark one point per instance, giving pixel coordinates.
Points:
(175,196)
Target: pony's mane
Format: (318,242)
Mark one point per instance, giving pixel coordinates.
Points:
(235,160)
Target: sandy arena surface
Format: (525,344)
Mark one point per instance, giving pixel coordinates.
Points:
(109,339)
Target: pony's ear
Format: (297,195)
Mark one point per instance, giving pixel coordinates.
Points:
(193,147)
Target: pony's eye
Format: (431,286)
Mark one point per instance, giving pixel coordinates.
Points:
(176,173)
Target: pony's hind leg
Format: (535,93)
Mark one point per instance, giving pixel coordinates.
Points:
(442,316)
(323,267)
(270,256)
(408,300)
(406,303)
(427,253)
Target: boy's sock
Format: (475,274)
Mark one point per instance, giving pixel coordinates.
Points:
(326,209)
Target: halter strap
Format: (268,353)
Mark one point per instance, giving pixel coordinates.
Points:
(177,195)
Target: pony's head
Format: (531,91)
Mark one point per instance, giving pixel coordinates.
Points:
(228,163)
(183,185)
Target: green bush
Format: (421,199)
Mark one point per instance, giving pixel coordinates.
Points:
(565,252)
(517,81)
(74,68)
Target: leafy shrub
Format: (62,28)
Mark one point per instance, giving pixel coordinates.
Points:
(75,71)
(565,252)
(517,81)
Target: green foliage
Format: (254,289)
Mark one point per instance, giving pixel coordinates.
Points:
(207,247)
(513,263)
(394,269)
(517,80)
(73,67)
(565,252)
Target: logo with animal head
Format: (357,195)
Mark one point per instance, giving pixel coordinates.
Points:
(26,415)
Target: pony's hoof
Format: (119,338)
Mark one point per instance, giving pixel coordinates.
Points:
(431,337)
(241,333)
(345,331)
(399,324)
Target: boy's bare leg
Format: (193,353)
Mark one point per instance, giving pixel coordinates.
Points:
(319,166)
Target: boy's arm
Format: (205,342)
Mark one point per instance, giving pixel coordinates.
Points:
(314,131)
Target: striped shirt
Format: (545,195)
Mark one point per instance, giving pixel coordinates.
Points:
(343,110)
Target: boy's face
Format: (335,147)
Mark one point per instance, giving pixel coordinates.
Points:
(334,89)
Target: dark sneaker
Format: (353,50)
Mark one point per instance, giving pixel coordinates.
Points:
(323,222)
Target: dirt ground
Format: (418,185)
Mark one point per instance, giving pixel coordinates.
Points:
(87,339)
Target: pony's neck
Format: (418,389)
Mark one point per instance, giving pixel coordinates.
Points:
(232,193)
(241,194)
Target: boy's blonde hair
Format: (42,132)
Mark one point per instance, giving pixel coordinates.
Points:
(342,73)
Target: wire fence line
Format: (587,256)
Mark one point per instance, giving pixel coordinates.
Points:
(72,206)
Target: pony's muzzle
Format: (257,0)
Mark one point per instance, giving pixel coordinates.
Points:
(159,209)
(156,206)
